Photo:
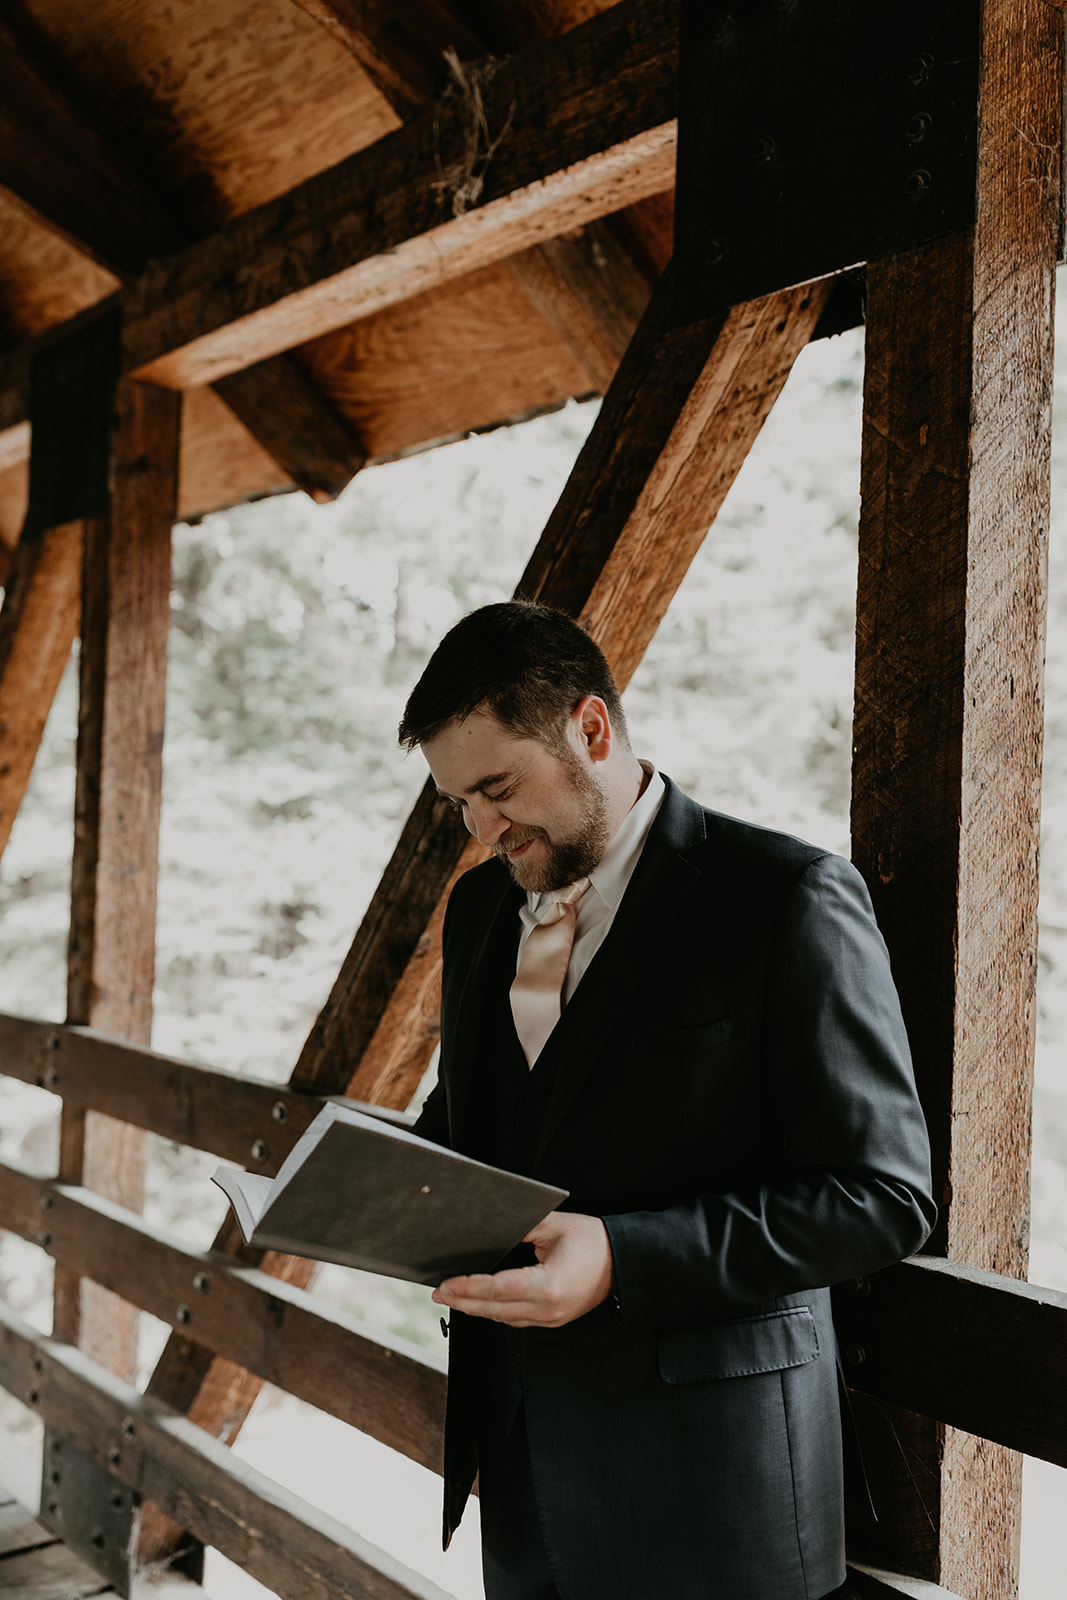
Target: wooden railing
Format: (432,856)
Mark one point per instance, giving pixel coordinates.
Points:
(981,1352)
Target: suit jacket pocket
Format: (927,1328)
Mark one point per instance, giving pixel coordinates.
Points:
(686,1038)
(738,1348)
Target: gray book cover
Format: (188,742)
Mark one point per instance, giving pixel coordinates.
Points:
(367,1193)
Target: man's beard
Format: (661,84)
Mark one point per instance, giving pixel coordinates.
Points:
(563,860)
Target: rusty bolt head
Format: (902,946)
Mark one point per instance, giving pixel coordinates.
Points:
(260,1150)
(279,1111)
(202,1282)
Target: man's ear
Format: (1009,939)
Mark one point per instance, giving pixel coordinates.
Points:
(593,725)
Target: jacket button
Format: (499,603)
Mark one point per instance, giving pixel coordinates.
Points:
(525,1104)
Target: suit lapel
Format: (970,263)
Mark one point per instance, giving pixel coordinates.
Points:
(499,921)
(661,881)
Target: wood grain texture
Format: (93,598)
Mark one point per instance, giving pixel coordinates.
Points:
(589,290)
(38,626)
(243,1120)
(948,707)
(446,362)
(299,1552)
(111,958)
(578,129)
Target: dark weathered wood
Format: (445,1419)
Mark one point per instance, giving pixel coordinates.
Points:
(401,47)
(385,1388)
(948,713)
(299,1552)
(578,129)
(38,625)
(945,1340)
(125,622)
(243,1120)
(50,1573)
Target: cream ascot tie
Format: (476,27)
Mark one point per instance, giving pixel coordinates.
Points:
(538,985)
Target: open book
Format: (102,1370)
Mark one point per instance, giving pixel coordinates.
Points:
(366,1193)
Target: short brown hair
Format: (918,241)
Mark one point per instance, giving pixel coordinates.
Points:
(529,665)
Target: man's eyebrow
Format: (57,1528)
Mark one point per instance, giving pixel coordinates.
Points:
(490,782)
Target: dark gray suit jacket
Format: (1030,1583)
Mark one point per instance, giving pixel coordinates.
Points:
(734,1096)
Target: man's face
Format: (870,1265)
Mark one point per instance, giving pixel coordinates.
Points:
(542,812)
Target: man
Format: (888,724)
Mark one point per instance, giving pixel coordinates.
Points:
(650,1395)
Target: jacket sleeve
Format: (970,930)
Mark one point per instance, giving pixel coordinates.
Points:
(847,1187)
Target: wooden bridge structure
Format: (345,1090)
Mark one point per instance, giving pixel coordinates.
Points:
(252,245)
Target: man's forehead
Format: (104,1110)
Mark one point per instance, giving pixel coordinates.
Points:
(476,751)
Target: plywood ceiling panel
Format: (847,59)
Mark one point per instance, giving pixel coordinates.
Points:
(227,102)
(456,359)
(43,279)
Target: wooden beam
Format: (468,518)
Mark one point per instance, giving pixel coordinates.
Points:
(590,291)
(947,737)
(400,46)
(38,625)
(944,1340)
(298,1552)
(125,623)
(386,1388)
(575,130)
(586,286)
(53,161)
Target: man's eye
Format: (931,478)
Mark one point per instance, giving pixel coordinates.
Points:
(496,798)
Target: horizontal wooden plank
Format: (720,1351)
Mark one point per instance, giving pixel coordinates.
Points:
(244,1120)
(299,1552)
(982,1352)
(872,1583)
(50,1573)
(580,128)
(384,1387)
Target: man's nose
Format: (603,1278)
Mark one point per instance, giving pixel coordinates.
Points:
(485,820)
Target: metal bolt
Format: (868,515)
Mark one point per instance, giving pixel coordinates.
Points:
(114,1455)
(44,1238)
(51,1041)
(260,1150)
(47,1202)
(51,1078)
(917,183)
(182,1314)
(127,1429)
(55,1475)
(917,127)
(116,1500)
(279,1111)
(96,1539)
(32,1397)
(202,1282)
(857,1354)
(715,252)
(53,1506)
(921,68)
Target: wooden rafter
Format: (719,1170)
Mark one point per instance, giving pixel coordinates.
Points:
(587,286)
(636,508)
(578,129)
(55,163)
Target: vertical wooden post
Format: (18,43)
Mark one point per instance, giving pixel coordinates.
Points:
(125,616)
(948,729)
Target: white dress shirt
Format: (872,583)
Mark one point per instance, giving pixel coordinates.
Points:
(607,883)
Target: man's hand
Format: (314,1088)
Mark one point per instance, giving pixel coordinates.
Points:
(573,1274)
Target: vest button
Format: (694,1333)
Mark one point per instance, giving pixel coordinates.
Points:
(525,1104)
